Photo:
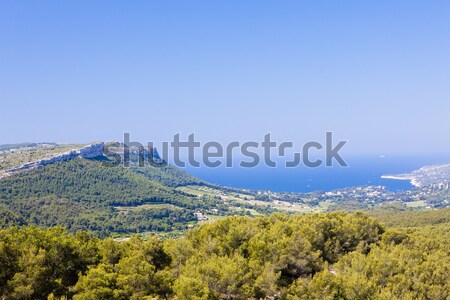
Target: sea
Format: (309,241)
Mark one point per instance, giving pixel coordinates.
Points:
(362,170)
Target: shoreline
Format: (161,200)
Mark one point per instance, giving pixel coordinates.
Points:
(413,181)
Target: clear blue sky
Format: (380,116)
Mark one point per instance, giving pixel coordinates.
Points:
(377,73)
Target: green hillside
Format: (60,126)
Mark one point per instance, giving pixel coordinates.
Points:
(83,194)
(168,175)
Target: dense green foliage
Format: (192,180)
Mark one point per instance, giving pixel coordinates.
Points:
(81,194)
(36,262)
(168,175)
(401,217)
(86,181)
(316,256)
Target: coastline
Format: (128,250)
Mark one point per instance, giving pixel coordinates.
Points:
(413,181)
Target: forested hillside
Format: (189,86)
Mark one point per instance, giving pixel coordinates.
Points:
(82,194)
(394,217)
(315,256)
(168,175)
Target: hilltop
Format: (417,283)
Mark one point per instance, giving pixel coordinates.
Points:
(75,186)
(49,184)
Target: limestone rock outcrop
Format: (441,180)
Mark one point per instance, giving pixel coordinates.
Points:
(89,151)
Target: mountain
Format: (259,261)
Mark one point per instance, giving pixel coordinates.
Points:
(70,186)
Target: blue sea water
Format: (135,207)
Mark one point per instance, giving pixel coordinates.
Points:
(362,170)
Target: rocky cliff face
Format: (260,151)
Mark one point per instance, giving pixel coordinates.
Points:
(90,151)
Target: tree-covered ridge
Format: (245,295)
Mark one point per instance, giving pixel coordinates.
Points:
(317,256)
(84,181)
(81,195)
(104,220)
(167,175)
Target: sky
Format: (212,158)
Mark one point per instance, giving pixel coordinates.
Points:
(376,73)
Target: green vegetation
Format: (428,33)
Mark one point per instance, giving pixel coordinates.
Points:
(316,256)
(36,262)
(393,251)
(83,195)
(168,175)
(394,216)
(86,181)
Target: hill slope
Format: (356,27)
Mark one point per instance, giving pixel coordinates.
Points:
(83,194)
